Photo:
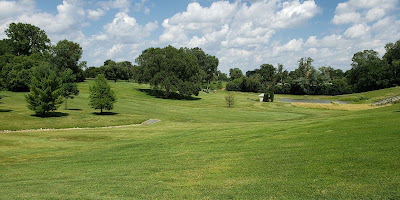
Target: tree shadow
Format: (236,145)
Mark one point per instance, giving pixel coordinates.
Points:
(174,96)
(5,110)
(76,109)
(105,113)
(52,114)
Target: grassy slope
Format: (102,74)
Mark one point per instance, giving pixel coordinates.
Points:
(201,149)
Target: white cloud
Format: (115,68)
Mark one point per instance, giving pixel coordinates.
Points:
(357,31)
(235,31)
(350,17)
(14,8)
(358,11)
(95,14)
(125,28)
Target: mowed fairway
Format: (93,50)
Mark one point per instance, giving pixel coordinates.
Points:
(199,150)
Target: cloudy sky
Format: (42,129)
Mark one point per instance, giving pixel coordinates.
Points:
(241,33)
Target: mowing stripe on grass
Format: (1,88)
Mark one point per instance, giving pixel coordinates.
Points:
(148,122)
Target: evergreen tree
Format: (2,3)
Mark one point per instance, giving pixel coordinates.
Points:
(101,95)
(45,91)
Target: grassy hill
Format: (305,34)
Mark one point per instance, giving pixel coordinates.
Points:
(201,149)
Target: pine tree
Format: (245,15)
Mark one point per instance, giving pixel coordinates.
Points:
(45,91)
(101,96)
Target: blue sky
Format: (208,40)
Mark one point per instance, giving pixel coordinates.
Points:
(241,33)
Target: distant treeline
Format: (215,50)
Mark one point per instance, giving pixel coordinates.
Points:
(368,72)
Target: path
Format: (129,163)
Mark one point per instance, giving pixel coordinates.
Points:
(386,101)
(148,122)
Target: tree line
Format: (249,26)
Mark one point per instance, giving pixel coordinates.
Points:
(368,72)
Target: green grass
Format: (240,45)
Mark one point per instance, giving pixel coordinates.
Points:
(200,150)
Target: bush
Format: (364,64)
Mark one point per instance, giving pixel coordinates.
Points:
(234,85)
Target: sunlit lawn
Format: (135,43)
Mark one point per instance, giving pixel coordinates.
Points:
(201,149)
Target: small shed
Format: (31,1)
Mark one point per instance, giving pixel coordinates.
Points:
(261,97)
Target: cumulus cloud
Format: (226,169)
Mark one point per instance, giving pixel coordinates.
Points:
(234,30)
(357,31)
(356,11)
(14,8)
(123,27)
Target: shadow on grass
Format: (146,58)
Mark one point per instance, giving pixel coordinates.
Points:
(5,110)
(105,113)
(174,96)
(76,109)
(52,114)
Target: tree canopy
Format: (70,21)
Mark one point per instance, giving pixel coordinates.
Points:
(66,55)
(170,69)
(208,63)
(27,39)
(101,95)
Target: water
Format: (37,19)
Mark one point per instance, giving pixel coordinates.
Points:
(310,101)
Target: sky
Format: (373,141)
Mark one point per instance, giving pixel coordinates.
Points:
(240,33)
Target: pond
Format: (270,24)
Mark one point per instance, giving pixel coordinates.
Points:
(310,101)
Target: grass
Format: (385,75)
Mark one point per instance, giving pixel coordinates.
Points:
(200,150)
(336,106)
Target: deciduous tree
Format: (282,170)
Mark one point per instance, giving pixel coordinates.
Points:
(169,69)
(101,95)
(27,39)
(69,88)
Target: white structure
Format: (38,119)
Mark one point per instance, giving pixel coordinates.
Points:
(261,97)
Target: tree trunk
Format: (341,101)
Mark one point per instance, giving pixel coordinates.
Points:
(208,82)
(101,110)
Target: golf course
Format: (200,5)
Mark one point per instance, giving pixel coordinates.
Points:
(201,148)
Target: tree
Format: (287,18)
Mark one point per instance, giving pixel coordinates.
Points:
(170,69)
(15,71)
(235,73)
(69,88)
(27,39)
(221,76)
(267,73)
(301,71)
(392,57)
(6,47)
(92,72)
(279,74)
(230,99)
(101,95)
(209,64)
(65,55)
(368,72)
(45,91)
